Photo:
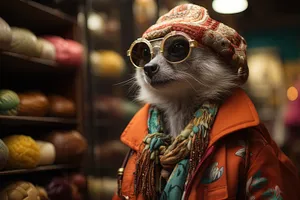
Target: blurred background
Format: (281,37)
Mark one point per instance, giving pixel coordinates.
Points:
(103,90)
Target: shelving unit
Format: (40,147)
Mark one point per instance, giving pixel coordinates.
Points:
(23,62)
(22,73)
(28,120)
(37,169)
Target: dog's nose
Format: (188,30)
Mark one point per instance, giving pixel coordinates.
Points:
(151,69)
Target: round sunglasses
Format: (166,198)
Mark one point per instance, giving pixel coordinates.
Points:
(176,47)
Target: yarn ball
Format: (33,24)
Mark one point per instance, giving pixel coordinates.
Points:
(42,193)
(5,35)
(61,106)
(10,112)
(9,101)
(144,11)
(79,180)
(59,189)
(4,154)
(47,153)
(24,42)
(47,49)
(19,190)
(107,63)
(24,152)
(70,146)
(75,193)
(33,104)
(110,149)
(68,52)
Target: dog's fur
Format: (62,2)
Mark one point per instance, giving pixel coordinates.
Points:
(204,76)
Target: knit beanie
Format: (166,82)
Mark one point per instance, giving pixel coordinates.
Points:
(195,21)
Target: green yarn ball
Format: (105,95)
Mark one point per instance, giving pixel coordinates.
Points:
(9,101)
(4,154)
(11,112)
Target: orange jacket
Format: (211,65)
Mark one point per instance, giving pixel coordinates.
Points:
(242,161)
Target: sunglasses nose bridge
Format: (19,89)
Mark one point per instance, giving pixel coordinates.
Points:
(156,47)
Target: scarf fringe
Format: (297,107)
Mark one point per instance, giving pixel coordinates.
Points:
(199,145)
(145,176)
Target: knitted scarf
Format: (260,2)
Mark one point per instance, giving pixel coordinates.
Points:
(166,165)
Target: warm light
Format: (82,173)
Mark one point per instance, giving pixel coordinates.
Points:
(229,6)
(292,93)
(95,22)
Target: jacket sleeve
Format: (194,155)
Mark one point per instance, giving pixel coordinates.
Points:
(271,176)
(116,197)
(125,182)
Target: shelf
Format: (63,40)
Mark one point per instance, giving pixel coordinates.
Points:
(38,18)
(26,120)
(38,169)
(21,63)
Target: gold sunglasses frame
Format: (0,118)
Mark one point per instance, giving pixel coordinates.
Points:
(192,44)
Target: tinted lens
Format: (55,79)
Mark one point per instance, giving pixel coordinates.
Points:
(140,54)
(176,48)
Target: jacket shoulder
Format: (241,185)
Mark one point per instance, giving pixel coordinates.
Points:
(255,138)
(262,143)
(259,138)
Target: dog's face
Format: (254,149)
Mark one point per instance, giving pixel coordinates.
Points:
(203,75)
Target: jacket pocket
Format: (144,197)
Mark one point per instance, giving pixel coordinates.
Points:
(218,193)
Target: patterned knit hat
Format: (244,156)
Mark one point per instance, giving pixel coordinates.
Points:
(195,21)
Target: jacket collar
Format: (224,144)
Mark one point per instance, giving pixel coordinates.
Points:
(236,113)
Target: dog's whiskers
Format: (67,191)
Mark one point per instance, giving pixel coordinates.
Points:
(129,81)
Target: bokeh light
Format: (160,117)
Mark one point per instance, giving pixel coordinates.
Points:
(292,93)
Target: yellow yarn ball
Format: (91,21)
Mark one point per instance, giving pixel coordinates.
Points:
(24,152)
(107,63)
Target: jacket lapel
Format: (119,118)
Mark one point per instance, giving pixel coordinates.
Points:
(237,113)
(137,129)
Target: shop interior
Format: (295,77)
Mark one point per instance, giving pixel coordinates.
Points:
(67,87)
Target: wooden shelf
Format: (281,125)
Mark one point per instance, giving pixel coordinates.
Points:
(26,120)
(22,63)
(38,169)
(38,18)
